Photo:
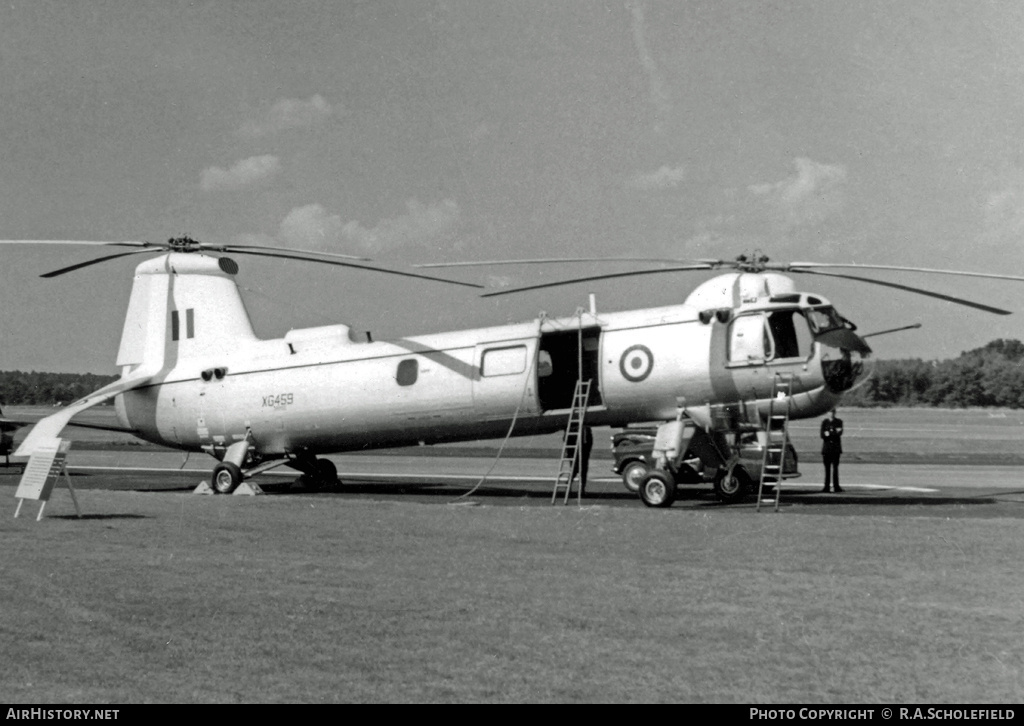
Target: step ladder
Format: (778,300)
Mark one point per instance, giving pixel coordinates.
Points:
(773,461)
(570,465)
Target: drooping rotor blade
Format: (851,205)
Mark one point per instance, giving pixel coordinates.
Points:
(918,290)
(188,245)
(555,260)
(87,263)
(289,256)
(606,276)
(102,427)
(802,266)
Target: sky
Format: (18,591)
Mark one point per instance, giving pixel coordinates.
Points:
(450,130)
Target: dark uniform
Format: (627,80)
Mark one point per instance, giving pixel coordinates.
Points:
(831,449)
(582,462)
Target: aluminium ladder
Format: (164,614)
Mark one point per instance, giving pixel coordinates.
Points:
(571,463)
(773,459)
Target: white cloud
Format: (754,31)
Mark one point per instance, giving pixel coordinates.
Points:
(499,281)
(288,113)
(242,174)
(658,96)
(421,224)
(664,178)
(1004,214)
(253,238)
(810,197)
(311,227)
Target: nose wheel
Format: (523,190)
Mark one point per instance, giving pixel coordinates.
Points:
(226,477)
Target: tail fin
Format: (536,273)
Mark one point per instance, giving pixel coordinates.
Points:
(182,306)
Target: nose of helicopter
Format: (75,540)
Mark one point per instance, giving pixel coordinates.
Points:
(846,360)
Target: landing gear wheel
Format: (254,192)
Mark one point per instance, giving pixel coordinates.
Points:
(633,474)
(326,474)
(733,485)
(226,477)
(658,489)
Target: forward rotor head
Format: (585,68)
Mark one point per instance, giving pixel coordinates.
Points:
(754,263)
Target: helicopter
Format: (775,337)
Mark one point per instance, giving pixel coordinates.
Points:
(195,377)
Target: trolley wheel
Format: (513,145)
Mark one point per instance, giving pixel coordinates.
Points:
(733,485)
(633,474)
(658,489)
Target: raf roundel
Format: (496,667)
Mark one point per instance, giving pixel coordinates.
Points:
(636,363)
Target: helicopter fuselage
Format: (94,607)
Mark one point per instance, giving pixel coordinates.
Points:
(326,390)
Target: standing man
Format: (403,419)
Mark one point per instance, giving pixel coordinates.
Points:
(582,462)
(831,449)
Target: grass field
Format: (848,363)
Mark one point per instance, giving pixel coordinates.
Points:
(176,598)
(167,597)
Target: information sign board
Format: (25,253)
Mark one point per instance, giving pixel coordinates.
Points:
(45,467)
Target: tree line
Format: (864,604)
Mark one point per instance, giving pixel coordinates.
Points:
(18,388)
(992,375)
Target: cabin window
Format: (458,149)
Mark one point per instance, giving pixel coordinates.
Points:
(503,361)
(408,372)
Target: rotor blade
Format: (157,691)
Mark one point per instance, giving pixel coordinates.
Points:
(288,256)
(167,246)
(7,424)
(126,243)
(550,260)
(606,276)
(103,427)
(80,265)
(919,291)
(242,249)
(800,266)
(892,330)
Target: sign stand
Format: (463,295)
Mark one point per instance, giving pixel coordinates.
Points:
(46,465)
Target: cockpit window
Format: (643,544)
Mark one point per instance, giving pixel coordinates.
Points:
(822,319)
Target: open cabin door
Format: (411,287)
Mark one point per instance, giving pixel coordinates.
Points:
(777,336)
(763,344)
(504,380)
(559,365)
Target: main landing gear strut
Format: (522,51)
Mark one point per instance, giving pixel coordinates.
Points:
(317,473)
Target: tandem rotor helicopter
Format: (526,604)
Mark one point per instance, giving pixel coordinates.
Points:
(195,377)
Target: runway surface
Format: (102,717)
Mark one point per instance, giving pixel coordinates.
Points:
(917,490)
